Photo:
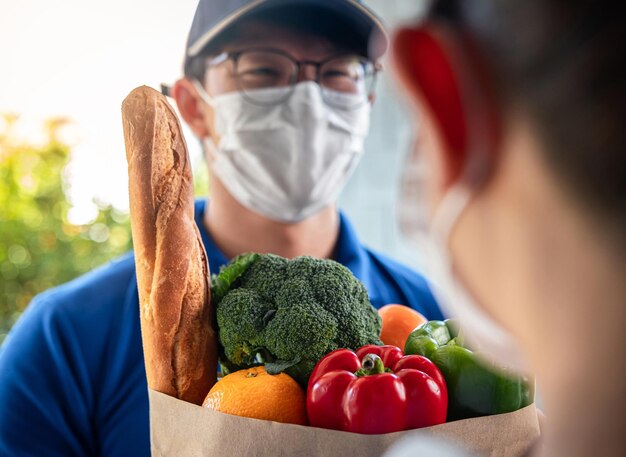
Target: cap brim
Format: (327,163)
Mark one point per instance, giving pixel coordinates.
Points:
(355,13)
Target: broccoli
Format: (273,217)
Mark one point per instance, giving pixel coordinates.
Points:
(288,314)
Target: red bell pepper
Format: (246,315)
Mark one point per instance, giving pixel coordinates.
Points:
(376,390)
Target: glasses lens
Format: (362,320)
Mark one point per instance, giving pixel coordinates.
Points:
(347,81)
(257,70)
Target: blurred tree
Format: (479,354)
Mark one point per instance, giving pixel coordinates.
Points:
(201,185)
(39,247)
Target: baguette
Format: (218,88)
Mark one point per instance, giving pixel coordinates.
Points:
(177,321)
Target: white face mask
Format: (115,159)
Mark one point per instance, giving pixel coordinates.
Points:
(289,161)
(482,333)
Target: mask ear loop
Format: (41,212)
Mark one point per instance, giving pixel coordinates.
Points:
(204,95)
(448,213)
(465,113)
(475,147)
(209,148)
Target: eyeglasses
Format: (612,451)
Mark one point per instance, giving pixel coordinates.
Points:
(346,81)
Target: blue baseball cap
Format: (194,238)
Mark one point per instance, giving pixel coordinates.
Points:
(215,16)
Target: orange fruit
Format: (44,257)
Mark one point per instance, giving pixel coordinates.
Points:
(257,394)
(398,322)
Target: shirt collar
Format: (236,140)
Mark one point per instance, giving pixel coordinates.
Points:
(349,251)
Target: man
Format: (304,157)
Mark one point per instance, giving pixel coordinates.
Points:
(279,92)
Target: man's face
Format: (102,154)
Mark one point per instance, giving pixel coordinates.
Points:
(220,79)
(226,76)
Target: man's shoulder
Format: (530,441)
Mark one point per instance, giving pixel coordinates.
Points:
(80,322)
(389,263)
(399,283)
(113,272)
(88,303)
(400,272)
(105,284)
(76,354)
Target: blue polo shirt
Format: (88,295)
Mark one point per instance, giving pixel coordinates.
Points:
(72,379)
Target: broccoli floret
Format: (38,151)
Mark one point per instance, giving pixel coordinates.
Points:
(245,308)
(288,314)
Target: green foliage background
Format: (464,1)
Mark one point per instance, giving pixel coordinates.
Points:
(39,247)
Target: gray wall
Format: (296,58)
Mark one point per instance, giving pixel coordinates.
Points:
(371,196)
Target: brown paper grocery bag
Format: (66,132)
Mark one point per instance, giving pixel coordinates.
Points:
(182,429)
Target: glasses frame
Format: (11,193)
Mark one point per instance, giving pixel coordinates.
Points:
(373,68)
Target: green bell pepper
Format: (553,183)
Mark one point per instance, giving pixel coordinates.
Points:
(474,388)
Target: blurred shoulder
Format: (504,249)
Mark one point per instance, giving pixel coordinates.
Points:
(401,271)
(74,360)
(100,286)
(86,304)
(396,282)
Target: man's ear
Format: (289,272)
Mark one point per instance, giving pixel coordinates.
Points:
(435,74)
(190,107)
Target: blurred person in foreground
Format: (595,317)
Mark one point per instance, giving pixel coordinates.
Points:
(280,92)
(522,106)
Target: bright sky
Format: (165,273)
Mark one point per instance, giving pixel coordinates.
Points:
(80,58)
